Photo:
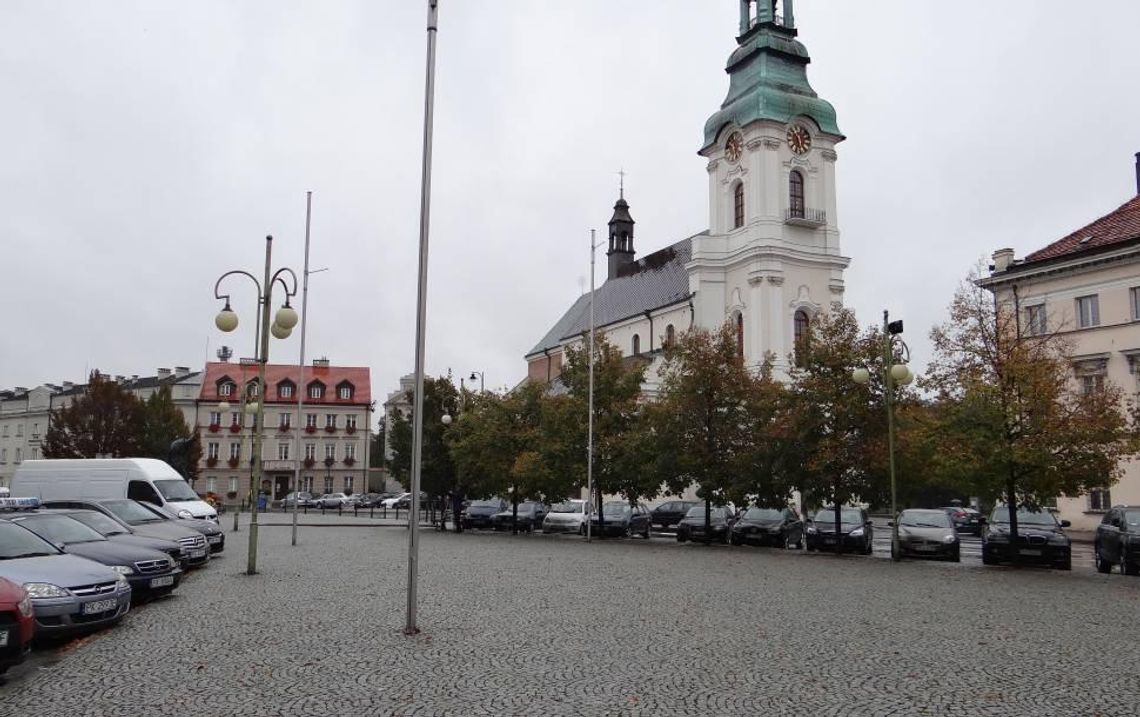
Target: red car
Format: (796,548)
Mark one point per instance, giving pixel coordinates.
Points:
(16,624)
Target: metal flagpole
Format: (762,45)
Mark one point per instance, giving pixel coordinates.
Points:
(590,419)
(421,319)
(301,365)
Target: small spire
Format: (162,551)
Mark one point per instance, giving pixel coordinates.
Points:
(621,183)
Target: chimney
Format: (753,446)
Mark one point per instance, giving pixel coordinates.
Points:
(163,373)
(1003,259)
(321,363)
(181,371)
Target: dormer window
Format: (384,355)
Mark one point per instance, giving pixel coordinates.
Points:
(226,388)
(345,391)
(316,390)
(285,389)
(251,389)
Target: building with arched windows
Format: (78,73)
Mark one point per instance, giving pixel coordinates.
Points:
(770,258)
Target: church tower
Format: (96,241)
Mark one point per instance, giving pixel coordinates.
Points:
(771,258)
(621,252)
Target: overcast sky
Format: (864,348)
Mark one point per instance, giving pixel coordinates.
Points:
(149,147)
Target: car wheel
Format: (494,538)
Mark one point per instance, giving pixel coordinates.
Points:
(788,545)
(957,556)
(646,533)
(735,540)
(1102,565)
(582,529)
(987,558)
(1127,568)
(629,530)
(681,538)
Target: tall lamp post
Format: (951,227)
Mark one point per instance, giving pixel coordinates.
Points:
(894,374)
(283,324)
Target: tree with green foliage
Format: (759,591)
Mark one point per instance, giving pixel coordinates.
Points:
(166,435)
(1011,421)
(103,421)
(437,474)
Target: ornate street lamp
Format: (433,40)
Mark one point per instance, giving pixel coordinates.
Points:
(284,321)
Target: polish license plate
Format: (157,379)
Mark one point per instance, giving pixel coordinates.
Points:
(214,539)
(162,582)
(196,553)
(829,541)
(924,548)
(1026,551)
(90,608)
(3,638)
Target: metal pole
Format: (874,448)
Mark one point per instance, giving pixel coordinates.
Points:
(301,365)
(889,383)
(259,427)
(590,401)
(418,417)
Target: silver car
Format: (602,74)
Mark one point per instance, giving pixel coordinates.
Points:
(69,593)
(569,516)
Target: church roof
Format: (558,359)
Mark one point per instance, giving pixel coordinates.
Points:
(654,281)
(1114,228)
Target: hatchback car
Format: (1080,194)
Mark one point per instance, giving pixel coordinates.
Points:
(621,519)
(195,551)
(569,516)
(1117,540)
(17,624)
(150,572)
(927,534)
(69,594)
(479,513)
(530,516)
(769,526)
(693,525)
(667,515)
(1040,539)
(855,531)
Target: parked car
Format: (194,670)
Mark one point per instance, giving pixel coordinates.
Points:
(569,516)
(333,500)
(667,515)
(214,535)
(151,573)
(195,551)
(530,516)
(17,624)
(69,594)
(404,502)
(303,499)
(966,520)
(621,519)
(395,500)
(116,531)
(479,513)
(1117,540)
(368,500)
(769,526)
(855,531)
(927,534)
(692,526)
(1040,539)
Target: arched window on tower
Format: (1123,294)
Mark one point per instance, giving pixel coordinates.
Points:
(796,207)
(636,345)
(670,336)
(802,333)
(738,205)
(739,334)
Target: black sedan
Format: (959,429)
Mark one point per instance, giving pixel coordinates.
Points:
(769,526)
(1040,539)
(620,519)
(195,551)
(693,526)
(966,520)
(1118,540)
(927,534)
(478,513)
(667,515)
(529,518)
(149,572)
(215,537)
(855,531)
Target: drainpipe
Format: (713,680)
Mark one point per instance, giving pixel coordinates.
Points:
(546,352)
(649,315)
(692,314)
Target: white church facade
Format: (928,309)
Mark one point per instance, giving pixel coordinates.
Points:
(770,259)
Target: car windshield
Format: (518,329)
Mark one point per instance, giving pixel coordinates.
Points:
(99,522)
(60,529)
(764,514)
(1024,516)
(1132,517)
(698,511)
(17,542)
(924,519)
(847,515)
(616,508)
(131,512)
(567,507)
(176,490)
(486,504)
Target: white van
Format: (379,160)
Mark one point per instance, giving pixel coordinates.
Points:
(145,479)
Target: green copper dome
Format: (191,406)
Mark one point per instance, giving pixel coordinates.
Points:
(768,81)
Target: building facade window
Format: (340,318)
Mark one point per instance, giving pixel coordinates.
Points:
(233,484)
(330,420)
(285,390)
(796,204)
(5,430)
(1035,321)
(1099,499)
(330,450)
(19,430)
(316,391)
(35,430)
(801,327)
(670,335)
(1088,311)
(282,451)
(1134,302)
(226,389)
(350,451)
(3,455)
(1092,383)
(738,206)
(235,418)
(328,484)
(235,450)
(286,420)
(215,418)
(350,421)
(344,392)
(310,420)
(307,484)
(212,484)
(19,455)
(636,347)
(212,450)
(349,484)
(311,451)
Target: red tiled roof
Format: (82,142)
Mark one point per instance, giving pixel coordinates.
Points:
(1115,228)
(330,376)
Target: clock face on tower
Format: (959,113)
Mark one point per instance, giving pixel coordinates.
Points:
(799,139)
(734,147)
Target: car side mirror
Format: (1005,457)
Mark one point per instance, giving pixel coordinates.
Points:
(890,523)
(869,523)
(982,520)
(1065,524)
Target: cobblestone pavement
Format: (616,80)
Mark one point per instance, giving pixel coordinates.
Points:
(548,625)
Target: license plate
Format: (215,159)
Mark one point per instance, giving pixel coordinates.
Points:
(90,608)
(924,548)
(162,582)
(829,541)
(214,539)
(4,638)
(197,553)
(1025,551)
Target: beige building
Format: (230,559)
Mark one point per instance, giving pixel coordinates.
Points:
(1087,286)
